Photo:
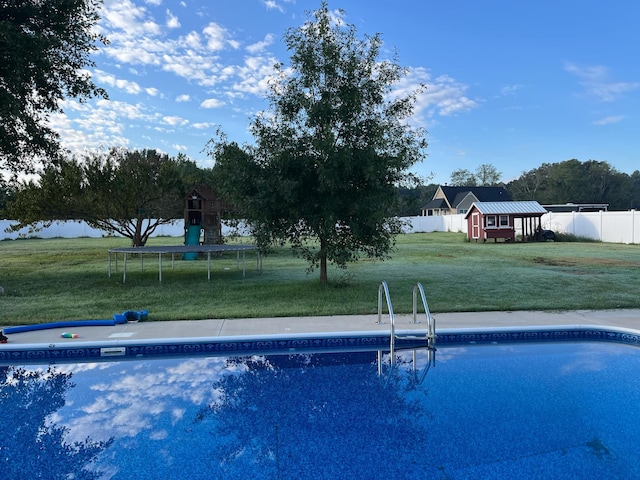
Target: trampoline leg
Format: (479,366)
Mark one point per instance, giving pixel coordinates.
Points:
(243,264)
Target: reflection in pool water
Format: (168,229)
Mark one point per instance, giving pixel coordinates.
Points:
(526,411)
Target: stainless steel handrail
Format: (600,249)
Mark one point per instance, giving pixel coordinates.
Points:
(431,322)
(384,289)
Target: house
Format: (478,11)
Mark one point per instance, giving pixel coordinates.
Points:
(498,220)
(203,211)
(455,200)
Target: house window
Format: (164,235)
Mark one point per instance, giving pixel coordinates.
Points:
(491,221)
(504,220)
(462,210)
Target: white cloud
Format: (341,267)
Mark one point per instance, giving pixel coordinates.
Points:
(174,120)
(110,80)
(217,37)
(609,120)
(95,125)
(212,103)
(128,86)
(254,75)
(509,90)
(132,19)
(202,125)
(272,5)
(172,20)
(182,148)
(596,82)
(183,98)
(136,50)
(192,56)
(260,46)
(443,96)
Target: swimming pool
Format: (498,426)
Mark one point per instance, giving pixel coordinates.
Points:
(528,410)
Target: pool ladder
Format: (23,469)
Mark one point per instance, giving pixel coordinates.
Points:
(383,291)
(430,336)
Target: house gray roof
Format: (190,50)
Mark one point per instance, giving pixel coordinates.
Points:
(436,203)
(530,208)
(484,194)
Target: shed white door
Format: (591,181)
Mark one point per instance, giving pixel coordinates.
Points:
(475,225)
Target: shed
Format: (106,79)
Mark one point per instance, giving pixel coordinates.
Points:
(498,220)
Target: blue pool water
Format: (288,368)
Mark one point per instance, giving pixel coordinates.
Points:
(510,411)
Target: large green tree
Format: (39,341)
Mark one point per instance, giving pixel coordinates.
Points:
(127,192)
(45,48)
(331,151)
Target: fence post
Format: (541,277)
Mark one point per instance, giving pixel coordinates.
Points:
(601,225)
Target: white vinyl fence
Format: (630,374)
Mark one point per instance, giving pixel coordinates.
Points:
(611,227)
(72,229)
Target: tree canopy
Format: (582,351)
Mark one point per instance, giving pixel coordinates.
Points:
(573,181)
(45,48)
(123,191)
(486,175)
(331,151)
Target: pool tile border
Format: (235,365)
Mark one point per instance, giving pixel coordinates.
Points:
(130,349)
(567,334)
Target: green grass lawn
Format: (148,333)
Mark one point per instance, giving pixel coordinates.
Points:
(66,279)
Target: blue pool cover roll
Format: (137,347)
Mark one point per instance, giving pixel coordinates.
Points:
(118,318)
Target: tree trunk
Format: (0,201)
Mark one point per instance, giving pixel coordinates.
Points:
(323,261)
(137,241)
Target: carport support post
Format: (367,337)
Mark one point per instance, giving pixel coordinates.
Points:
(124,268)
(159,267)
(208,265)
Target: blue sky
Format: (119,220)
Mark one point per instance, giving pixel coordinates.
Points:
(511,83)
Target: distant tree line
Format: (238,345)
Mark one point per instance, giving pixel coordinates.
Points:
(578,182)
(66,183)
(570,181)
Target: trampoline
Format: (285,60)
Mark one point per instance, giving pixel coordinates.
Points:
(181,249)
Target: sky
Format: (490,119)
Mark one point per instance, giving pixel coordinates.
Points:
(514,84)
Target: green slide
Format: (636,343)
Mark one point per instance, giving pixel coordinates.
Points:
(191,237)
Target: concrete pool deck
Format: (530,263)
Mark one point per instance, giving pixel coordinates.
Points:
(150,330)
